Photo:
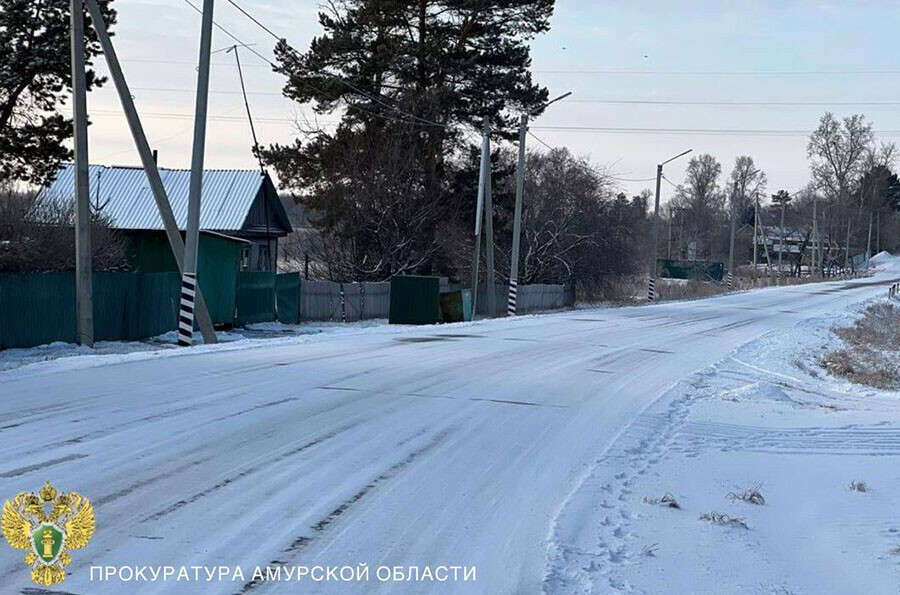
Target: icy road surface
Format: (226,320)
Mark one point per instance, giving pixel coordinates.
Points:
(454,445)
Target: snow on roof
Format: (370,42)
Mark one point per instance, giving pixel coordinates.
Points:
(125,196)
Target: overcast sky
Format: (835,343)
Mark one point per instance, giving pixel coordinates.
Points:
(783,63)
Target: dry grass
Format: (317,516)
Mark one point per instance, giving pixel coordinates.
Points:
(718,518)
(650,550)
(871,352)
(859,486)
(667,500)
(751,496)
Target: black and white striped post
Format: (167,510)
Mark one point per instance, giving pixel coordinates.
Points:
(651,294)
(186,311)
(729,280)
(513,297)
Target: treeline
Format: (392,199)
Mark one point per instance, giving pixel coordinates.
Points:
(851,203)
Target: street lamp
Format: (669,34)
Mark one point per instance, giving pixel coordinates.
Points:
(651,295)
(517,217)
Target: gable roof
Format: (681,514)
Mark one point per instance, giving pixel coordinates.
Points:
(126,197)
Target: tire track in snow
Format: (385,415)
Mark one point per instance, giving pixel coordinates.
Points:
(250,471)
(322,524)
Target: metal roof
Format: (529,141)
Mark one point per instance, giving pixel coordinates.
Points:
(125,196)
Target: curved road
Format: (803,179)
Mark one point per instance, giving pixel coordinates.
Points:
(416,447)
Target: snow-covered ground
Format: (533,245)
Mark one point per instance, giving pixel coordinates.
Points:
(766,417)
(523,447)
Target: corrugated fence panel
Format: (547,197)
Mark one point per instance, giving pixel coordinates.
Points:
(116,307)
(159,295)
(377,302)
(352,301)
(255,297)
(36,309)
(320,300)
(287,295)
(500,293)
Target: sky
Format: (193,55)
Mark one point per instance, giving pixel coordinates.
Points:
(649,79)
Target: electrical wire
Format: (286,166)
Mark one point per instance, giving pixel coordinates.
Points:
(376,98)
(540,140)
(275,67)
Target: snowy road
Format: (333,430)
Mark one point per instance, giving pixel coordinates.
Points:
(454,445)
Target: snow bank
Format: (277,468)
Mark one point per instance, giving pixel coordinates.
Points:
(881,258)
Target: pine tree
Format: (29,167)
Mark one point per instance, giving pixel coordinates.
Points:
(35,80)
(407,76)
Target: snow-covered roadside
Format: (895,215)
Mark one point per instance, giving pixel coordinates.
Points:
(765,415)
(56,357)
(34,360)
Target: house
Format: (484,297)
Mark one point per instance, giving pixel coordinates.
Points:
(242,205)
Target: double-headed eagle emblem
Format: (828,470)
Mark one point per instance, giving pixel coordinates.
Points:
(47,525)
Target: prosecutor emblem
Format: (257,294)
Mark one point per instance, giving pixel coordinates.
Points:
(47,525)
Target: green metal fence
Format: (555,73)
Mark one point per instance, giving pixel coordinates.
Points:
(415,300)
(255,297)
(39,308)
(287,296)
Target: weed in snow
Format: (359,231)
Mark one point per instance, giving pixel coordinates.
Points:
(751,496)
(650,550)
(667,500)
(717,518)
(859,486)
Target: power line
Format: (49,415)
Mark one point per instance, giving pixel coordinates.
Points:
(376,98)
(671,183)
(275,67)
(691,131)
(724,72)
(540,140)
(738,103)
(579,129)
(232,36)
(735,103)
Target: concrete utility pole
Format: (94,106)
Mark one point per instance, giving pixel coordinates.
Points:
(651,293)
(517,218)
(730,280)
(192,239)
(813,259)
(84,303)
(479,210)
(490,285)
(517,221)
(149,165)
(781,238)
(755,232)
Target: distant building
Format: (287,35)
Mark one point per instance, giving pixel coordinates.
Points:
(240,204)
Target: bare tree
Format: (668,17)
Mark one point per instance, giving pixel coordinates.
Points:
(837,151)
(37,235)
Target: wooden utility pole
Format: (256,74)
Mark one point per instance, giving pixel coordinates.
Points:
(84,303)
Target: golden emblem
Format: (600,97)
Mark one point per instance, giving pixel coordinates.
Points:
(47,525)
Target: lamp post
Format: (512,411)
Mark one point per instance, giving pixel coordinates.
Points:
(651,294)
(517,218)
